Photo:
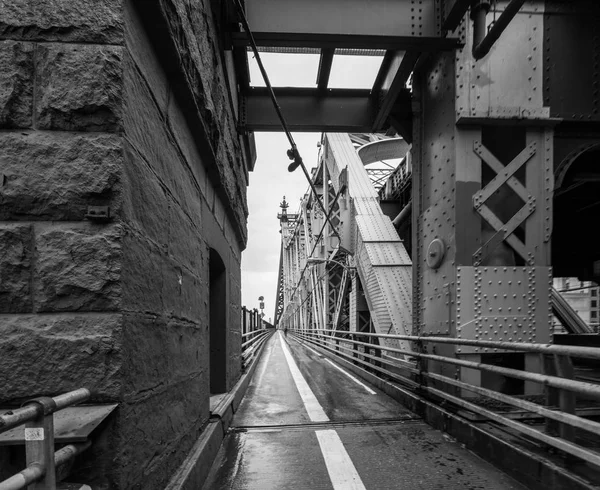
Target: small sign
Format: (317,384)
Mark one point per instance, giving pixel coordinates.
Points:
(36,434)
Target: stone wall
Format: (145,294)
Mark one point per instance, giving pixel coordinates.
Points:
(121,104)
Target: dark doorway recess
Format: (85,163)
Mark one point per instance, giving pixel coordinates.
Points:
(218,323)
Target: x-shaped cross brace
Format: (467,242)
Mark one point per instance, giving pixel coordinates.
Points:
(504,175)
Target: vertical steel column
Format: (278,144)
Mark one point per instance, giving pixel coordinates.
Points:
(482,198)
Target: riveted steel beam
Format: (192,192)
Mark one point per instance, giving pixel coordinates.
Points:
(308,110)
(375,17)
(391,79)
(346,41)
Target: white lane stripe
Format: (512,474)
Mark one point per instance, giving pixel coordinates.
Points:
(315,411)
(352,377)
(342,472)
(310,348)
(266,358)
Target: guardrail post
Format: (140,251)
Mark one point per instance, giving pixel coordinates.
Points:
(566,399)
(39,443)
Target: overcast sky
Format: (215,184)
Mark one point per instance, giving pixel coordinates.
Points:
(271,180)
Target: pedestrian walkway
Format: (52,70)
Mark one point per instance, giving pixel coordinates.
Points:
(306,423)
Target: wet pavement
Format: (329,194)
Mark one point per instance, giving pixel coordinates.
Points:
(305,424)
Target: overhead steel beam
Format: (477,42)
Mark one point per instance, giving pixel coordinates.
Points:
(325,63)
(308,110)
(390,81)
(454,11)
(349,41)
(375,17)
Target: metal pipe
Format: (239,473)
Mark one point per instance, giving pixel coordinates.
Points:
(574,386)
(482,47)
(71,398)
(22,479)
(19,416)
(69,452)
(402,215)
(565,350)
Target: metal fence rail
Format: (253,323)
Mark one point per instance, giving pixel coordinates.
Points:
(42,460)
(558,408)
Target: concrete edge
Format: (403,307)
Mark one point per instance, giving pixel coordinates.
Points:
(192,473)
(528,468)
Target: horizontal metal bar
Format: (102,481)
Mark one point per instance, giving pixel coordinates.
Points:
(566,350)
(309,110)
(254,332)
(321,41)
(581,387)
(23,478)
(71,398)
(19,416)
(67,453)
(253,340)
(563,445)
(400,379)
(567,418)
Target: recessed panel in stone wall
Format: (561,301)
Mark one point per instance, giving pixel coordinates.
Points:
(78,268)
(15,268)
(56,175)
(99,21)
(79,87)
(16,84)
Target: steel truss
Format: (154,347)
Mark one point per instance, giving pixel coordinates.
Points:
(359,252)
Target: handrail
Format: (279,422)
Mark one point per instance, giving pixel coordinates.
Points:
(567,350)
(559,381)
(250,347)
(38,414)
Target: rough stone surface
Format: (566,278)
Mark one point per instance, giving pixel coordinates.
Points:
(57,176)
(78,268)
(52,354)
(15,268)
(79,87)
(195,37)
(92,21)
(16,84)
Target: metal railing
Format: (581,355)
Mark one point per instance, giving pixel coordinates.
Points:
(255,332)
(38,416)
(559,389)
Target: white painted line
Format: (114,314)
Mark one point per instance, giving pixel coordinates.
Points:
(310,348)
(314,409)
(342,472)
(352,377)
(265,360)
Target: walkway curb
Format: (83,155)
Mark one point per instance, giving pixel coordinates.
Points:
(194,470)
(528,468)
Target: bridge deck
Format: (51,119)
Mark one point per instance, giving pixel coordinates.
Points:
(304,424)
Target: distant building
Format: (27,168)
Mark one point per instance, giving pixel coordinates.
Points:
(583,298)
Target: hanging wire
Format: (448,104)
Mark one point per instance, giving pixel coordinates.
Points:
(293,153)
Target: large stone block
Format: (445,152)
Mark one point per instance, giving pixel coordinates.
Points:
(163,352)
(16,84)
(78,268)
(91,21)
(16,244)
(79,87)
(52,354)
(57,175)
(150,135)
(157,434)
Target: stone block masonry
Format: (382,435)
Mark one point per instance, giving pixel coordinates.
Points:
(118,103)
